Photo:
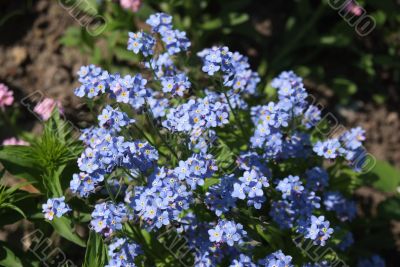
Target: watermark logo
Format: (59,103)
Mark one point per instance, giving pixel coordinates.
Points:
(178,246)
(86,15)
(317,253)
(355,16)
(41,248)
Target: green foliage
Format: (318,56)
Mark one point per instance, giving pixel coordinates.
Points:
(44,162)
(63,226)
(383,176)
(8,257)
(9,196)
(96,252)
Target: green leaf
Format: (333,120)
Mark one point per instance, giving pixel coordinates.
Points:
(19,155)
(236,19)
(209,182)
(13,207)
(18,161)
(63,227)
(96,252)
(383,176)
(271,235)
(344,87)
(212,24)
(8,258)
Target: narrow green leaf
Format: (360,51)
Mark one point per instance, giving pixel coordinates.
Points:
(8,258)
(63,227)
(13,207)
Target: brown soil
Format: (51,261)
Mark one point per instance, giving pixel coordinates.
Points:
(31,57)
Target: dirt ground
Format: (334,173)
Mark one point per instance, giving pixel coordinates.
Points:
(31,57)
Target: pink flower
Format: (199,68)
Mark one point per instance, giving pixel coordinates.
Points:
(6,96)
(45,108)
(14,142)
(354,8)
(133,5)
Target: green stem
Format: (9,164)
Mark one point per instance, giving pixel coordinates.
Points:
(237,120)
(143,134)
(158,132)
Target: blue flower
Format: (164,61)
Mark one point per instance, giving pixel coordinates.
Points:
(176,85)
(227,232)
(107,217)
(141,42)
(175,41)
(235,68)
(345,209)
(242,261)
(113,118)
(122,252)
(160,22)
(316,229)
(311,117)
(94,81)
(220,197)
(290,185)
(276,259)
(238,191)
(83,184)
(55,207)
(215,234)
(328,149)
(317,179)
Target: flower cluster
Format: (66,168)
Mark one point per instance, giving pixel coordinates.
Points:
(348,145)
(219,197)
(176,85)
(251,186)
(122,253)
(297,203)
(55,207)
(272,120)
(141,42)
(94,81)
(242,261)
(316,229)
(317,179)
(276,259)
(83,184)
(174,40)
(196,116)
(180,184)
(107,217)
(113,119)
(237,74)
(345,209)
(227,232)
